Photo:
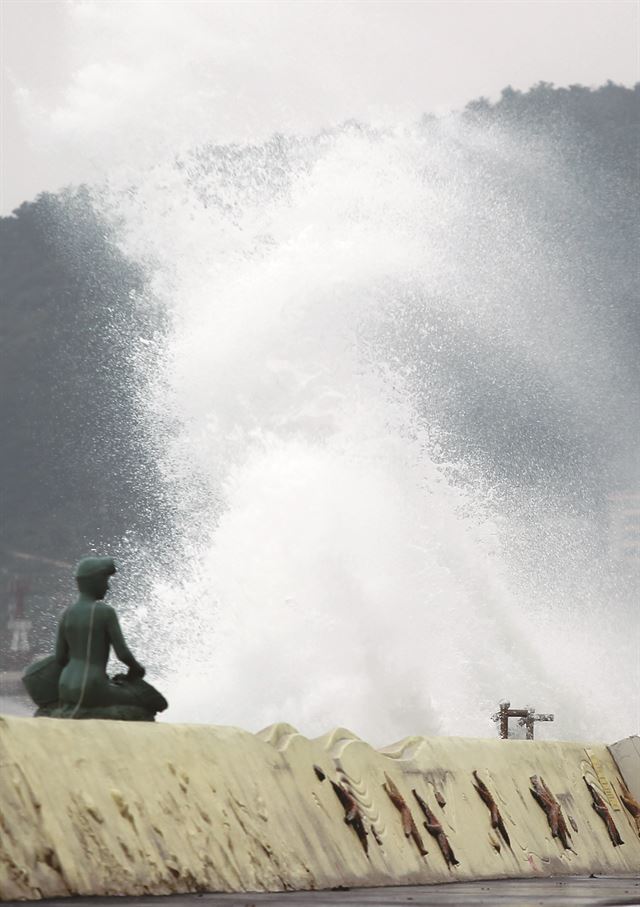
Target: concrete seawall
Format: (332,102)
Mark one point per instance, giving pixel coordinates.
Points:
(105,808)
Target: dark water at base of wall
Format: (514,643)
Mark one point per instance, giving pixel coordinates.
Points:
(572,892)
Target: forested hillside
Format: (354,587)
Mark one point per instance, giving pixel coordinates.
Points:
(73,467)
(596,135)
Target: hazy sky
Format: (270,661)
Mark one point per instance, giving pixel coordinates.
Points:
(89,85)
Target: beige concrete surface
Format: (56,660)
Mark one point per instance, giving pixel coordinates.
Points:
(626,755)
(106,808)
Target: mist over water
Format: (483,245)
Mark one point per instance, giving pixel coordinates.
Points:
(377,406)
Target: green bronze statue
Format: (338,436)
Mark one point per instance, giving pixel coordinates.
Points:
(74,682)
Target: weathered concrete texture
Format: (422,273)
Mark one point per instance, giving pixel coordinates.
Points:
(626,755)
(101,808)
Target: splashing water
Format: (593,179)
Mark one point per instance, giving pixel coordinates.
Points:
(349,552)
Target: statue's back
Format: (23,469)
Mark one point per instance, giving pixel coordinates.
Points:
(84,637)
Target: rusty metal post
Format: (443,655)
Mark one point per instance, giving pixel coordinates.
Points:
(502,718)
(526,717)
(528,723)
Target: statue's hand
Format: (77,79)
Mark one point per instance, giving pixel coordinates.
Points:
(136,672)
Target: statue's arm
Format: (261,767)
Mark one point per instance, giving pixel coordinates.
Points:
(120,647)
(62,646)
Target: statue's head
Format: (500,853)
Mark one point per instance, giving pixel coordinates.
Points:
(92,575)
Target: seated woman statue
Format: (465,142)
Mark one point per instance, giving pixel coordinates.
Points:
(74,683)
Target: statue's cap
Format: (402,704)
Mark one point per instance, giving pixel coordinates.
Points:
(92,566)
